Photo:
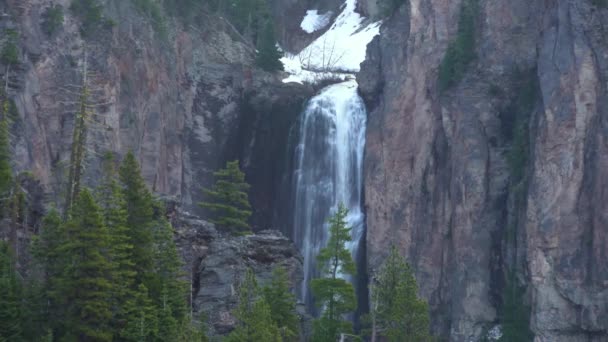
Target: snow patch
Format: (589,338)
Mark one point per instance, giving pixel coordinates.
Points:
(336,53)
(313,21)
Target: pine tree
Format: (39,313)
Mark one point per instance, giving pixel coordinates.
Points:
(51,262)
(282,304)
(170,287)
(398,314)
(253,314)
(335,295)
(228,200)
(140,317)
(269,56)
(140,217)
(6,173)
(84,286)
(113,206)
(11,317)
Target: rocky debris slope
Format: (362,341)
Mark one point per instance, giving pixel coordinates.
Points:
(216,264)
(501,178)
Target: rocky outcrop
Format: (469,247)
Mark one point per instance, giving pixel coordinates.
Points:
(501,177)
(179,97)
(217,263)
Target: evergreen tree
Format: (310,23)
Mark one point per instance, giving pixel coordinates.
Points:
(140,317)
(169,286)
(516,315)
(269,56)
(140,217)
(51,263)
(228,200)
(253,313)
(335,295)
(6,173)
(398,314)
(282,304)
(84,287)
(113,206)
(11,317)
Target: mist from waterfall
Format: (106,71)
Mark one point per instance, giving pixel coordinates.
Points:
(328,171)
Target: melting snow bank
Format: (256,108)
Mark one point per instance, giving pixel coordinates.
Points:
(336,53)
(313,21)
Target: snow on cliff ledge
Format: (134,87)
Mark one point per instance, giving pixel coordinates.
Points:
(338,52)
(313,21)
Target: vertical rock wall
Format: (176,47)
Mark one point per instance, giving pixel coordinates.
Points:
(441,181)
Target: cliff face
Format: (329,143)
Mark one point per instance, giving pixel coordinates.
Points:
(178,98)
(502,177)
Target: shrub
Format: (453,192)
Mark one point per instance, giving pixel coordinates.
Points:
(461,51)
(52,19)
(152,9)
(388,7)
(90,14)
(10,52)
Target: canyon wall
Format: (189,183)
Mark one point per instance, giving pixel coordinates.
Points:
(499,178)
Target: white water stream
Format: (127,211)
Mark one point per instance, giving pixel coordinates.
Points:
(329,160)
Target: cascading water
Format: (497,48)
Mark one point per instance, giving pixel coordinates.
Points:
(328,171)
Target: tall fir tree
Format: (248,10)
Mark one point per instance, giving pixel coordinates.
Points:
(228,199)
(11,315)
(85,285)
(140,217)
(170,289)
(397,312)
(114,211)
(141,321)
(282,304)
(269,56)
(255,322)
(6,173)
(333,294)
(50,262)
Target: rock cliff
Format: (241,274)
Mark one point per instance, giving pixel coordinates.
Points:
(500,177)
(179,95)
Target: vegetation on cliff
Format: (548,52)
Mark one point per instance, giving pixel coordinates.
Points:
(461,51)
(333,294)
(397,313)
(228,200)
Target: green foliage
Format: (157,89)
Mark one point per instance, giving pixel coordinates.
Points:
(253,313)
(282,304)
(11,315)
(186,10)
(398,313)
(52,19)
(335,295)
(140,317)
(515,122)
(228,199)
(515,318)
(85,285)
(6,173)
(153,10)
(90,14)
(113,205)
(139,206)
(268,57)
(388,7)
(461,51)
(9,55)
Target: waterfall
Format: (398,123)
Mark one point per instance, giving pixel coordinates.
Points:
(328,171)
